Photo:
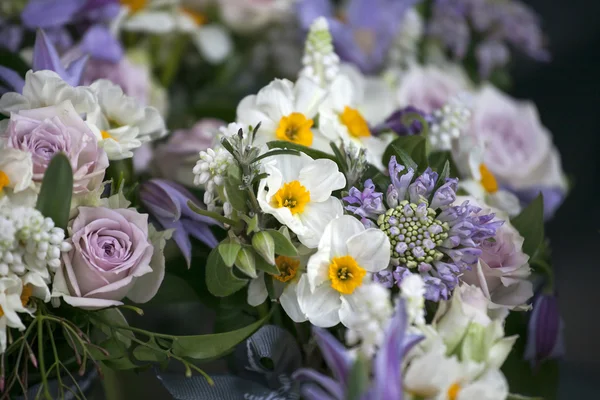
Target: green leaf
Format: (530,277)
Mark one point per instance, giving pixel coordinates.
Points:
(438,160)
(115,348)
(211,214)
(409,150)
(235,195)
(276,153)
(204,347)
(245,261)
(263,265)
(283,245)
(229,252)
(530,224)
(54,200)
(264,245)
(145,353)
(338,154)
(402,157)
(13,61)
(282,144)
(514,396)
(220,279)
(358,381)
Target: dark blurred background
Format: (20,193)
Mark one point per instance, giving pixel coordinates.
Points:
(567,93)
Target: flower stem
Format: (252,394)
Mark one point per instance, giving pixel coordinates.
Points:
(172,65)
(42,363)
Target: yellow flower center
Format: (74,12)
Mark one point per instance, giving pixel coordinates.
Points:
(293,196)
(453,391)
(198,17)
(288,267)
(4,180)
(25,295)
(488,180)
(105,135)
(355,122)
(134,5)
(345,274)
(295,128)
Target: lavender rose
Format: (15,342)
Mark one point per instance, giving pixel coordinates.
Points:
(518,148)
(175,159)
(503,269)
(112,258)
(47,131)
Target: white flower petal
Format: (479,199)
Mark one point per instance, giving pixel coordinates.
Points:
(317,268)
(337,233)
(308,97)
(315,218)
(257,290)
(320,178)
(321,306)
(289,302)
(213,42)
(370,249)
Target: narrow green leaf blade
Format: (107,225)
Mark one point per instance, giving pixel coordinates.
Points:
(236,196)
(220,279)
(358,381)
(530,224)
(202,347)
(54,200)
(282,144)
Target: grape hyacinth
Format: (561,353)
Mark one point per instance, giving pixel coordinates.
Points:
(428,234)
(29,242)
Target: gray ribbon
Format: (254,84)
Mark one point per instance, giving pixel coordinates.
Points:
(263,365)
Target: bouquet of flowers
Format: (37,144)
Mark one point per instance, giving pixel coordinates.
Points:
(362,214)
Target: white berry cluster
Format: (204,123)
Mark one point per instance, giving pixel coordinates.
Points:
(210,171)
(449,122)
(321,64)
(29,242)
(368,320)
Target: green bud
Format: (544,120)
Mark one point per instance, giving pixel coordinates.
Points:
(229,252)
(264,245)
(245,262)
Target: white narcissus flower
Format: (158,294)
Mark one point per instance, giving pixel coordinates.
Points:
(435,376)
(16,170)
(477,180)
(297,193)
(166,16)
(285,112)
(121,122)
(45,88)
(353,105)
(285,286)
(347,252)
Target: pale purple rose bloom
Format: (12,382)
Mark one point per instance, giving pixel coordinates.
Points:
(503,269)
(45,132)
(175,159)
(111,252)
(132,78)
(518,148)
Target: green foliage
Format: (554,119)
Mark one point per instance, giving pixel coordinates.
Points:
(530,224)
(358,381)
(13,61)
(229,251)
(410,151)
(282,144)
(220,279)
(438,160)
(236,195)
(245,261)
(264,244)
(54,200)
(283,245)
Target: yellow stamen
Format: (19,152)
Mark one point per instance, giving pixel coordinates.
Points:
(295,128)
(288,267)
(25,295)
(4,180)
(134,5)
(345,274)
(105,135)
(355,122)
(488,180)
(198,17)
(293,196)
(453,391)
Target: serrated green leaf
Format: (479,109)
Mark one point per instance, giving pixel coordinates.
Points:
(229,252)
(281,144)
(54,200)
(358,381)
(202,347)
(220,279)
(245,261)
(530,224)
(283,245)
(236,196)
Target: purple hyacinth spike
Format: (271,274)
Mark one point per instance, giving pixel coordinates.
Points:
(167,203)
(544,331)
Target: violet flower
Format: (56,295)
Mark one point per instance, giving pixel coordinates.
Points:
(544,331)
(397,124)
(167,203)
(364,32)
(429,233)
(387,364)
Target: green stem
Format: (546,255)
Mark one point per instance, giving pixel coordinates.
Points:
(263,309)
(56,359)
(41,361)
(170,69)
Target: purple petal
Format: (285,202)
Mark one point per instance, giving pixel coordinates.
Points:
(201,232)
(45,55)
(309,10)
(101,44)
(334,389)
(334,353)
(553,198)
(544,331)
(75,71)
(12,79)
(50,13)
